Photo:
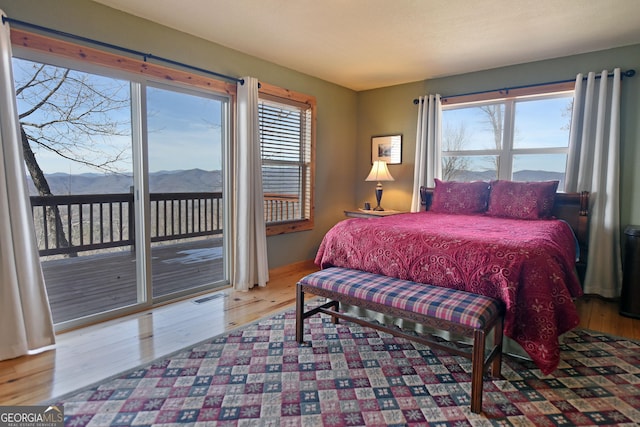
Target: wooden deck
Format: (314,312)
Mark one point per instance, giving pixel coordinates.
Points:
(90,284)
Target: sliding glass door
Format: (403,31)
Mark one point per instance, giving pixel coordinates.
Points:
(186,131)
(77,144)
(126,179)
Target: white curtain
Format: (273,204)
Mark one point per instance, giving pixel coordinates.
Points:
(428,164)
(25,317)
(250,264)
(594,166)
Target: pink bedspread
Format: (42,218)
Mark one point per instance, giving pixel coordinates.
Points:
(529,265)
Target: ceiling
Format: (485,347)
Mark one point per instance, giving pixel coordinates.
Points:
(367,44)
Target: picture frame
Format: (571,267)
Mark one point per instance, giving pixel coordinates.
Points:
(387,148)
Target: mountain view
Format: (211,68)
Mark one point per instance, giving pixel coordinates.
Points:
(275,180)
(194,180)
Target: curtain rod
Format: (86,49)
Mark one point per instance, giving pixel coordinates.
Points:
(628,73)
(144,56)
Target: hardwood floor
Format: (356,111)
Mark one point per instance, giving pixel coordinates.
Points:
(90,354)
(87,355)
(602,315)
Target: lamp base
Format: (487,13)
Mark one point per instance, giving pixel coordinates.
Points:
(378,197)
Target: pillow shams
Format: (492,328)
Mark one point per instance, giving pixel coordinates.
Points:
(522,200)
(460,197)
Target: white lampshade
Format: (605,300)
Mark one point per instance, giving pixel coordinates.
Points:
(379,172)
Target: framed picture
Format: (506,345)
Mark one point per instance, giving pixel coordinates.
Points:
(387,148)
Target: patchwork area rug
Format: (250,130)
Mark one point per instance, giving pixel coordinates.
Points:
(355,376)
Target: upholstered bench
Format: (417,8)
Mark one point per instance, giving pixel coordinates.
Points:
(458,312)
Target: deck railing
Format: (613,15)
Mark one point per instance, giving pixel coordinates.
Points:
(73,223)
(281,207)
(67,225)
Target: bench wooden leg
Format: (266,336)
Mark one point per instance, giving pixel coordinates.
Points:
(477,371)
(336,308)
(496,364)
(299,314)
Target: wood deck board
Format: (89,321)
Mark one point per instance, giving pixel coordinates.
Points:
(87,285)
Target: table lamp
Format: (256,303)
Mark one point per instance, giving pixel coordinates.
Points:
(379,172)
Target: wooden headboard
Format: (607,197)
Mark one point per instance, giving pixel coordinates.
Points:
(570,207)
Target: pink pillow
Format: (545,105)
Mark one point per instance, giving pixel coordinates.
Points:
(522,200)
(460,197)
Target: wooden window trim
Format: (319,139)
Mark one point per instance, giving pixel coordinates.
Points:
(76,52)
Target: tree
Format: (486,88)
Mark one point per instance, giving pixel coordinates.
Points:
(495,119)
(73,115)
(454,140)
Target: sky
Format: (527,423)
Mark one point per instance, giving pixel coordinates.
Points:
(184,131)
(184,128)
(541,123)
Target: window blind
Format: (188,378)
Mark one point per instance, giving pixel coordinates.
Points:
(281,130)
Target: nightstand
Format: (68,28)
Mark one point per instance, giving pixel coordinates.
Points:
(361,213)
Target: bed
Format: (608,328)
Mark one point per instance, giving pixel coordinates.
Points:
(521,243)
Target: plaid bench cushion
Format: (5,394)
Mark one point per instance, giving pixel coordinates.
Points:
(453,305)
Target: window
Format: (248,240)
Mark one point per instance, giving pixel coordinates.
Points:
(286,143)
(521,138)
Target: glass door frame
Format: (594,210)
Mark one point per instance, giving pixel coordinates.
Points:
(138,84)
(142,198)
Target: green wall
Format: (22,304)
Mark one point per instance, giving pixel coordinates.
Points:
(336,105)
(391,110)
